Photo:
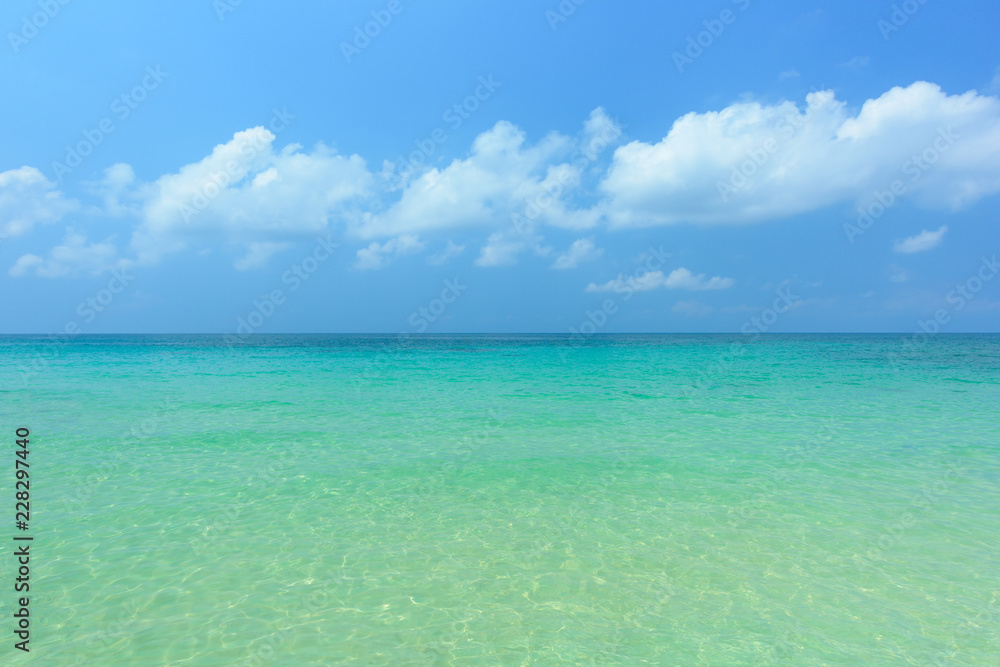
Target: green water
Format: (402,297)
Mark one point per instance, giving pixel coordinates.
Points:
(674,500)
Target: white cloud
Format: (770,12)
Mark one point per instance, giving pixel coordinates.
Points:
(503,176)
(376,256)
(449,251)
(857,62)
(24,264)
(501,249)
(73,257)
(582,250)
(683,279)
(499,176)
(247,192)
(599,132)
(897,274)
(257,255)
(678,279)
(789,74)
(808,158)
(925,240)
(993,87)
(114,189)
(642,283)
(28,198)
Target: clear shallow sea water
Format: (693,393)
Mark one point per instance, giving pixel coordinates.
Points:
(506,500)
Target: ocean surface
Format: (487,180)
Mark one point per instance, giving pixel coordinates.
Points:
(506,500)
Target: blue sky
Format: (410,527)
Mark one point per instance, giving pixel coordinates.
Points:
(231,166)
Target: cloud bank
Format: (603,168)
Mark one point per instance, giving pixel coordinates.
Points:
(925,240)
(681,279)
(748,162)
(752,162)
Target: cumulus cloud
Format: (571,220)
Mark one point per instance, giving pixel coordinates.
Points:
(499,250)
(600,131)
(745,163)
(73,257)
(28,198)
(246,191)
(857,62)
(502,177)
(993,86)
(680,278)
(925,240)
(582,250)
(683,279)
(752,162)
(257,255)
(897,274)
(449,251)
(114,189)
(641,283)
(376,255)
(502,248)
(504,182)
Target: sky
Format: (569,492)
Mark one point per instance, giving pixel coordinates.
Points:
(406,166)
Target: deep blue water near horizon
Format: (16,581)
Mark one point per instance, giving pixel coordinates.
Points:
(509,499)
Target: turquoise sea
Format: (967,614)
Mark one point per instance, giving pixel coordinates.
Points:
(506,500)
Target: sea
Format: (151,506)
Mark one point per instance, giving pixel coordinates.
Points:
(503,499)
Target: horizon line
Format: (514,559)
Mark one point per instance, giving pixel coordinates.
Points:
(515,333)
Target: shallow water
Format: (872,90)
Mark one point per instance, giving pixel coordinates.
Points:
(512,500)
